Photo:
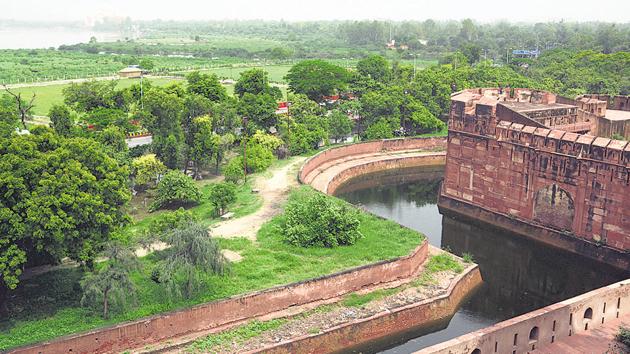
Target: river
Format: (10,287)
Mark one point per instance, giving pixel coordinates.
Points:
(40,37)
(520,275)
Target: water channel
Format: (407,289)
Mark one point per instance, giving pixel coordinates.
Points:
(519,275)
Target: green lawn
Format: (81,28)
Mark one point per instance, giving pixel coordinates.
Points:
(47,96)
(276,72)
(246,203)
(47,306)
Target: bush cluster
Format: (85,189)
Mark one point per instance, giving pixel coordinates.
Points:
(623,336)
(176,189)
(315,220)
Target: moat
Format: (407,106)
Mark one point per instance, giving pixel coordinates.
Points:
(520,275)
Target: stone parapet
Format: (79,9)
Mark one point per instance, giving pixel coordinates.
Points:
(538,328)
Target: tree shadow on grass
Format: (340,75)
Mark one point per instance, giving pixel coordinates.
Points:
(42,296)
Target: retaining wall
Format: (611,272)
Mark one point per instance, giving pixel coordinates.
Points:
(386,323)
(543,326)
(224,312)
(369,147)
(438,159)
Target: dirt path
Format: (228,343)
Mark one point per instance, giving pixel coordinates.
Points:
(273,191)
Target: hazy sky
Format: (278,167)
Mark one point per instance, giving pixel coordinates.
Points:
(296,10)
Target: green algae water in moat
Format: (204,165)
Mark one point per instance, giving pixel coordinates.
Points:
(520,275)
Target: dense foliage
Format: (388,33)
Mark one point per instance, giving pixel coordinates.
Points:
(61,197)
(176,189)
(315,220)
(147,170)
(222,195)
(316,79)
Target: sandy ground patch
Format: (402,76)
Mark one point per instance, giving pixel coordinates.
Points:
(273,191)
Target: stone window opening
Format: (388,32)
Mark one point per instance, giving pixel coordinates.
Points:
(533,334)
(588,316)
(515,338)
(476,351)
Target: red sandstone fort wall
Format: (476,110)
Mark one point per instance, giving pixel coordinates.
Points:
(576,184)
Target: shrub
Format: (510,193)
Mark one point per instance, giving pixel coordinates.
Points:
(233,171)
(185,265)
(379,130)
(318,220)
(171,220)
(259,158)
(176,189)
(222,195)
(623,336)
(147,169)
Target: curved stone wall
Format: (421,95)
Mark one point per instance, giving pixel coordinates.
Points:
(344,162)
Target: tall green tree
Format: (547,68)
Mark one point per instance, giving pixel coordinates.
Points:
(205,143)
(9,116)
(339,125)
(260,109)
(255,81)
(89,95)
(114,138)
(206,85)
(163,118)
(62,120)
(317,78)
(375,67)
(61,198)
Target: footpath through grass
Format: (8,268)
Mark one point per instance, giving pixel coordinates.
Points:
(47,306)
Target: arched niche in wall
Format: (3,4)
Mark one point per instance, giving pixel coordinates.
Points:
(554,207)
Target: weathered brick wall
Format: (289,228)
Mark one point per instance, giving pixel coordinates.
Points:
(219,313)
(505,167)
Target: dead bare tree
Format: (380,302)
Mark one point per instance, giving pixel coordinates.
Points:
(23,107)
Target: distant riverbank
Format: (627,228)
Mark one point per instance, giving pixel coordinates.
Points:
(42,37)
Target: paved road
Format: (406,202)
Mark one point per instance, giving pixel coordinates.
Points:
(143,140)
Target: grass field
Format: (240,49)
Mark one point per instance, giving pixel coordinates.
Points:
(47,96)
(276,72)
(47,306)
